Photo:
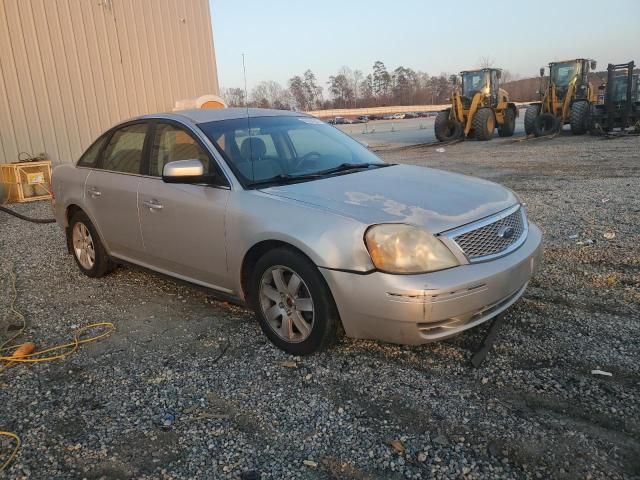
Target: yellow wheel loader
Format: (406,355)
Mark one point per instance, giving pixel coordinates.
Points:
(477,108)
(567,98)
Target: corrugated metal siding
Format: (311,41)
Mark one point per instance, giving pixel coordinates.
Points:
(69,69)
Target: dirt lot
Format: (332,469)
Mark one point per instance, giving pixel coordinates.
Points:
(188,387)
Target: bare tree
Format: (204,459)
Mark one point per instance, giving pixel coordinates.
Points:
(486,62)
(233,97)
(270,94)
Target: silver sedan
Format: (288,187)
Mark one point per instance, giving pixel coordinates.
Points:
(300,222)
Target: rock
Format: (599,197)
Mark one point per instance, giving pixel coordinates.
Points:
(441,440)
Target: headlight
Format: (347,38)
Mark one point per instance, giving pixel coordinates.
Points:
(399,248)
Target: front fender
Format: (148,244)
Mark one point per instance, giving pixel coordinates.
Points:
(329,239)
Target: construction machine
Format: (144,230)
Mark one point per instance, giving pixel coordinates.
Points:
(567,98)
(477,107)
(620,106)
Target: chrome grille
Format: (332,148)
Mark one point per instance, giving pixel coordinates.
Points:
(489,240)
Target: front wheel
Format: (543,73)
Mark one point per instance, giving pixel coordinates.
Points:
(509,125)
(484,122)
(579,117)
(293,304)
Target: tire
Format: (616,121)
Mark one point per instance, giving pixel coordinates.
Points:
(447,130)
(530,116)
(484,122)
(309,312)
(545,124)
(509,125)
(84,242)
(579,117)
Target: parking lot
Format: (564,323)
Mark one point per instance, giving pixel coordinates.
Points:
(410,131)
(188,387)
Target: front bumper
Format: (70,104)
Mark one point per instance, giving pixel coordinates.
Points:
(415,309)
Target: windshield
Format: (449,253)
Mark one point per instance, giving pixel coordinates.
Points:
(473,82)
(284,147)
(563,73)
(619,88)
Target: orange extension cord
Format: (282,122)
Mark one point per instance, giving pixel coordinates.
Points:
(25,352)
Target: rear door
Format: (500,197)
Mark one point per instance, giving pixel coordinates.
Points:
(111,191)
(183,226)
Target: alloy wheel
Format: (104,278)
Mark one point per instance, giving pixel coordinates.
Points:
(286,304)
(83,246)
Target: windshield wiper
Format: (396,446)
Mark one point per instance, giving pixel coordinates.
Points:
(285,178)
(345,167)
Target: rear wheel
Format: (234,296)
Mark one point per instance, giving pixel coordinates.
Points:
(530,116)
(293,303)
(484,122)
(86,247)
(579,117)
(447,130)
(509,125)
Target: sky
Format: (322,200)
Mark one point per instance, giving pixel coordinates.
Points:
(282,38)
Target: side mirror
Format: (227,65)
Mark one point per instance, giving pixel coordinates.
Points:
(594,64)
(184,171)
(498,74)
(454,79)
(542,71)
(602,87)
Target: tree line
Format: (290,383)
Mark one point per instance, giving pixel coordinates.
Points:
(350,88)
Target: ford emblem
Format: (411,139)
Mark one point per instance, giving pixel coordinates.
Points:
(506,232)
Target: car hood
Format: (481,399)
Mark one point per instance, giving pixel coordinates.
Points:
(433,199)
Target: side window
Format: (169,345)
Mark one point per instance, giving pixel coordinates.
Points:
(90,157)
(124,151)
(172,143)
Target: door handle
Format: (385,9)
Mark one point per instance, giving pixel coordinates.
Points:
(152,205)
(93,193)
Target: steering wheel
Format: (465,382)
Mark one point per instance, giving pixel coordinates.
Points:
(306,157)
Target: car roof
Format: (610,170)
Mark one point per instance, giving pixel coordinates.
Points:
(204,115)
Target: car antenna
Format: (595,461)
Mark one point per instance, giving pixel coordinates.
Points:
(246,104)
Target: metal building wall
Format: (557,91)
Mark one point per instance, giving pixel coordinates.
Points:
(69,69)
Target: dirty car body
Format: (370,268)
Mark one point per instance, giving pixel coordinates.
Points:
(405,254)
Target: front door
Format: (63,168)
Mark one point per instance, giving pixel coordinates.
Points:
(183,226)
(111,191)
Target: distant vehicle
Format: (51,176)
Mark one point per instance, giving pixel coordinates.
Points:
(477,108)
(399,116)
(375,117)
(427,114)
(567,98)
(339,121)
(410,115)
(620,107)
(388,117)
(362,119)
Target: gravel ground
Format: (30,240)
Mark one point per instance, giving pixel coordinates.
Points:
(188,387)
